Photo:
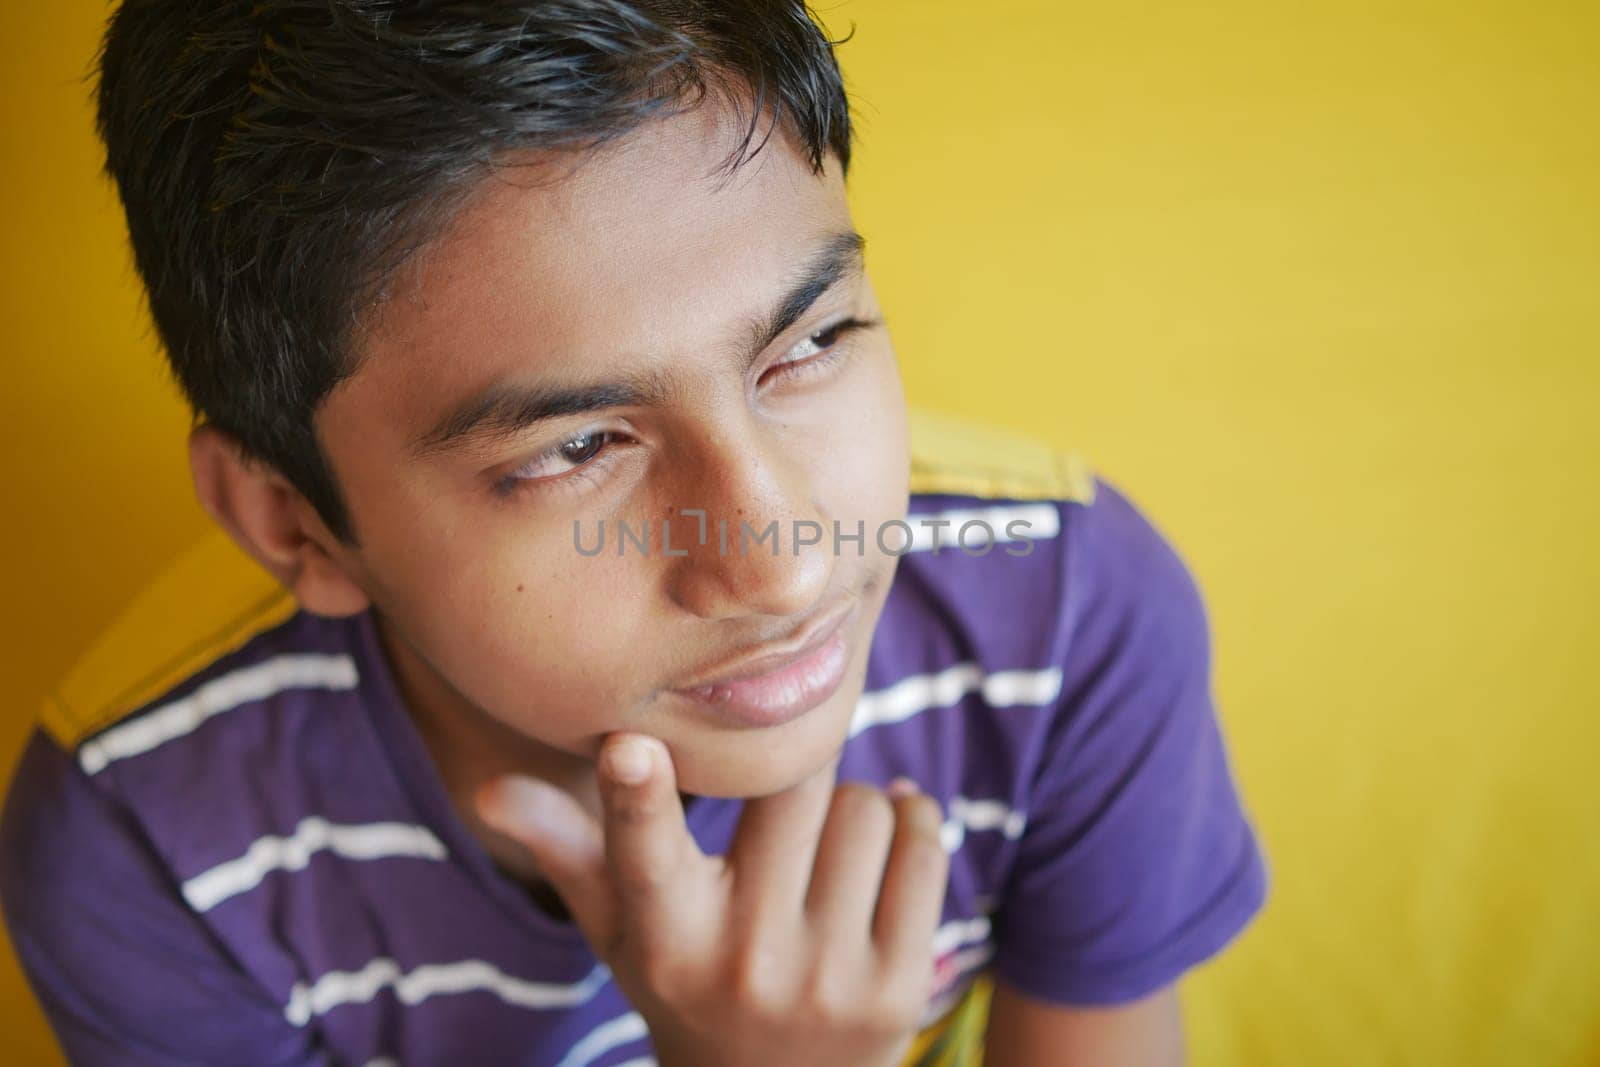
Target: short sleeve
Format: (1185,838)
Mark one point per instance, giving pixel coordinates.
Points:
(125,972)
(1137,860)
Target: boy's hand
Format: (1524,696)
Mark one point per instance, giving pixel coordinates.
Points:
(786,951)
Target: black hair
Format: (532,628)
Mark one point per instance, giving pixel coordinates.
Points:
(278,160)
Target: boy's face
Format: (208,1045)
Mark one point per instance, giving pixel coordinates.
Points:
(637,265)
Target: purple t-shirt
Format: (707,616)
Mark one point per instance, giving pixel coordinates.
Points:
(261,865)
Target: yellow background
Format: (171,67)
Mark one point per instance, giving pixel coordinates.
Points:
(1318,288)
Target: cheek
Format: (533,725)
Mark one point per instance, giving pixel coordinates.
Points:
(528,611)
(550,661)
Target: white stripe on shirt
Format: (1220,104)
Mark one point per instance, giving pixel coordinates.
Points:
(962,945)
(966,814)
(957,932)
(917,693)
(1036,521)
(963,963)
(356,841)
(605,1037)
(411,987)
(298,670)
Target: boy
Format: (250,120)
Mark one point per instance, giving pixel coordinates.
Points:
(539,379)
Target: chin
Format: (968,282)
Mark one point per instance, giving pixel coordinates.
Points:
(718,760)
(752,762)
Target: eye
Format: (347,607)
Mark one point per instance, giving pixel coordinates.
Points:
(822,349)
(571,461)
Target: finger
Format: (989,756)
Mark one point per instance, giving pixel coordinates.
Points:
(775,844)
(564,841)
(849,865)
(911,900)
(652,858)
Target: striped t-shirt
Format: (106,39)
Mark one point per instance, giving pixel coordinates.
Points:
(226,841)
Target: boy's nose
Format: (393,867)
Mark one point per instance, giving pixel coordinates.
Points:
(768,543)
(748,577)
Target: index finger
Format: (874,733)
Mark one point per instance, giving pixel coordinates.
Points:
(649,849)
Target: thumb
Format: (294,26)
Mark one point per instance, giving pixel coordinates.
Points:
(564,840)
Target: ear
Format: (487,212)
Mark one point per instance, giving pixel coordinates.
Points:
(274,523)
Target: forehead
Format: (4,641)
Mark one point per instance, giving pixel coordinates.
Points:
(561,267)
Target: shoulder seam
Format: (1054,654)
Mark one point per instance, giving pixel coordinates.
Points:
(70,725)
(958,456)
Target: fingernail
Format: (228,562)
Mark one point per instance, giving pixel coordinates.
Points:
(628,760)
(902,787)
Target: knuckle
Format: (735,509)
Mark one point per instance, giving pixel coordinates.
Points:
(853,991)
(640,880)
(903,993)
(756,979)
(661,976)
(666,978)
(630,805)
(832,993)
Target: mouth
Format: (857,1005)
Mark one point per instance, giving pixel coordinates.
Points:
(777,689)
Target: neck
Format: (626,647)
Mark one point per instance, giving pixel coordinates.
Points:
(470,747)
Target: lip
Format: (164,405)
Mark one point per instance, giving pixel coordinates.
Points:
(776,688)
(767,663)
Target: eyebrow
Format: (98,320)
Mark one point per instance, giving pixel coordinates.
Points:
(503,410)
